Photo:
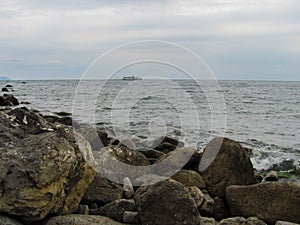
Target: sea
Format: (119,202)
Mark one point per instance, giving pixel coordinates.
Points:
(261,115)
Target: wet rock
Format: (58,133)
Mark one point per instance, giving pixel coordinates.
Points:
(73,219)
(189,178)
(152,154)
(116,209)
(272,176)
(224,163)
(165,147)
(8,221)
(193,163)
(96,138)
(63,120)
(102,191)
(4,89)
(131,217)
(41,173)
(270,201)
(8,100)
(165,139)
(63,113)
(128,190)
(9,86)
(25,103)
(167,203)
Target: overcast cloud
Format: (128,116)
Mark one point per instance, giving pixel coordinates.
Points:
(254,39)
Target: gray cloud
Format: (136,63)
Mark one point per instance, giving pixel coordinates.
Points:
(237,38)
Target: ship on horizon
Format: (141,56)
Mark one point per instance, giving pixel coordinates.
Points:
(131,78)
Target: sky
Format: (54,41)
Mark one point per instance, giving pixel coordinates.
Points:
(239,40)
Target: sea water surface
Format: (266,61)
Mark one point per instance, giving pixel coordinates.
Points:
(262,115)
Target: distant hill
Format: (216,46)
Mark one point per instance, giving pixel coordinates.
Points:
(4,78)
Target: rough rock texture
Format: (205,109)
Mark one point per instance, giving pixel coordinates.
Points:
(41,171)
(8,100)
(197,195)
(118,162)
(116,209)
(270,202)
(189,178)
(220,211)
(167,203)
(242,221)
(8,221)
(207,221)
(102,191)
(76,219)
(224,162)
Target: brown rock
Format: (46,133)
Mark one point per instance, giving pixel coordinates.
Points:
(167,203)
(102,191)
(189,178)
(224,162)
(270,201)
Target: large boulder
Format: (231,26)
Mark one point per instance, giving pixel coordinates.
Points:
(74,219)
(224,163)
(270,202)
(41,171)
(102,191)
(167,203)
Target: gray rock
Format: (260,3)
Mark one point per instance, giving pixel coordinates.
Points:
(116,209)
(167,203)
(102,191)
(128,190)
(131,217)
(41,172)
(74,219)
(270,201)
(8,221)
(224,163)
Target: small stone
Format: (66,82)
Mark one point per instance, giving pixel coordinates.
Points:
(131,217)
(128,190)
(5,89)
(272,176)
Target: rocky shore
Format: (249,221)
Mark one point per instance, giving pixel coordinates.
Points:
(45,179)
